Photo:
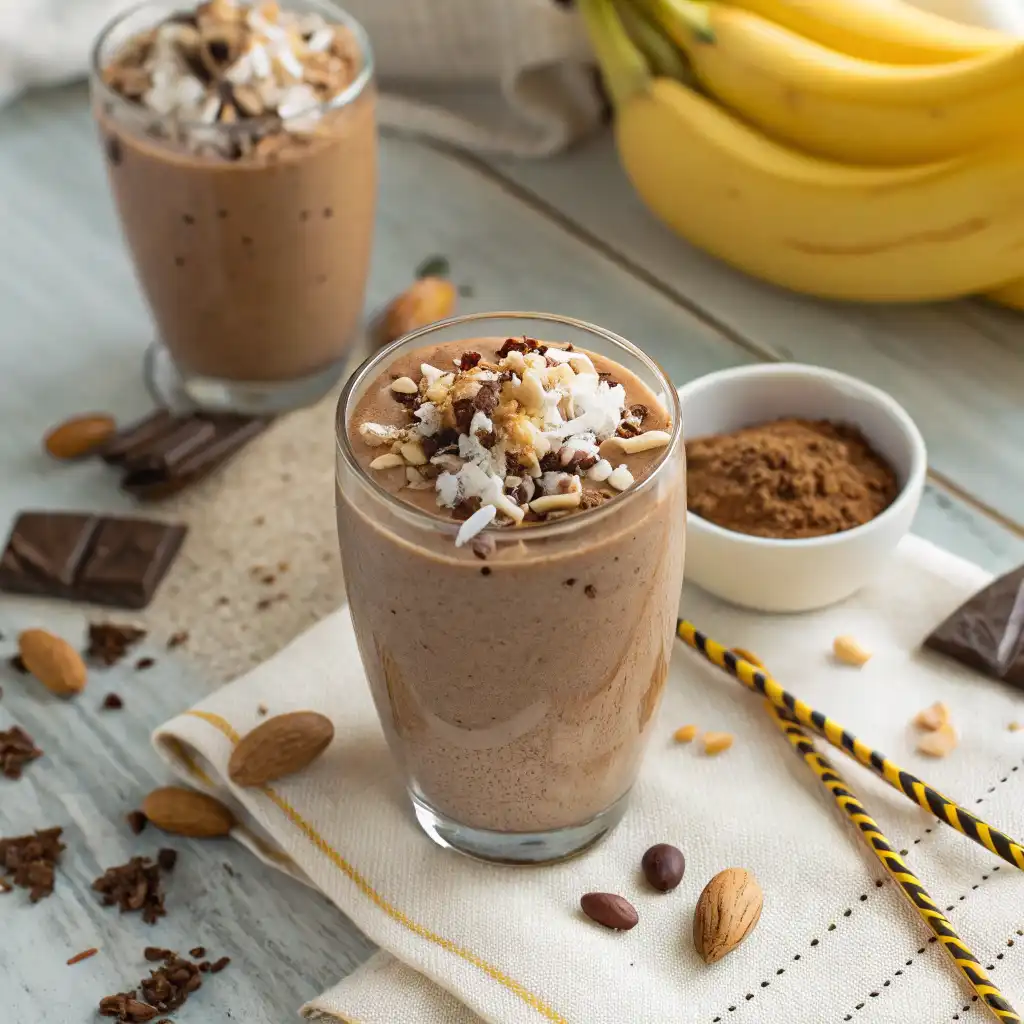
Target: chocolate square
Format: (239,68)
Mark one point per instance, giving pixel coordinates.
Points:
(986,633)
(129,558)
(120,448)
(44,552)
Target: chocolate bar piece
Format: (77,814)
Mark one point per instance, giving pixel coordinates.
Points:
(106,560)
(987,632)
(163,453)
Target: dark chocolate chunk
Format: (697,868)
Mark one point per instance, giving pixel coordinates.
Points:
(163,453)
(987,632)
(17,748)
(44,552)
(109,642)
(134,438)
(226,437)
(129,558)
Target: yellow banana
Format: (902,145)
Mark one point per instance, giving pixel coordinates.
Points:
(1011,294)
(840,107)
(889,31)
(931,231)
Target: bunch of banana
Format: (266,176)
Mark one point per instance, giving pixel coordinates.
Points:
(784,145)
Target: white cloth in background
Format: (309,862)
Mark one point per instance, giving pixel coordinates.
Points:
(465,942)
(501,76)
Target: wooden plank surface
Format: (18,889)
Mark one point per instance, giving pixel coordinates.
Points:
(957,367)
(71,338)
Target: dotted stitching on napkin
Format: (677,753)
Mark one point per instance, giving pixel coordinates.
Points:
(863,898)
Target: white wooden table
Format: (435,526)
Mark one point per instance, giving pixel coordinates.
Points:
(565,235)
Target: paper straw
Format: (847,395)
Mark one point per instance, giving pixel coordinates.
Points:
(931,800)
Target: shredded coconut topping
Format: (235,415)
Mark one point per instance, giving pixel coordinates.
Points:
(516,438)
(228,61)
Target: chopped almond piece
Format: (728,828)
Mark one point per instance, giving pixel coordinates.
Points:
(716,742)
(939,743)
(933,718)
(685,734)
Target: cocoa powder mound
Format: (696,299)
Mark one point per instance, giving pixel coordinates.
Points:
(790,478)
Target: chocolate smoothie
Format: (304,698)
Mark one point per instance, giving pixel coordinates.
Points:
(241,149)
(517,655)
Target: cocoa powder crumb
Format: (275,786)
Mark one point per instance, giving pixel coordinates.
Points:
(790,478)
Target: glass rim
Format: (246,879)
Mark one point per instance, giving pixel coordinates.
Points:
(345,98)
(419,517)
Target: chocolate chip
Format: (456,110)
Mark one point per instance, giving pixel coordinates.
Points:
(486,399)
(137,821)
(468,360)
(17,748)
(609,910)
(663,866)
(143,663)
(167,858)
(590,590)
(463,411)
(570,582)
(112,702)
(466,508)
(197,953)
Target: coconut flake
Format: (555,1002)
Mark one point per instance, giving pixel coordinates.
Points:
(429,416)
(620,478)
(376,434)
(477,522)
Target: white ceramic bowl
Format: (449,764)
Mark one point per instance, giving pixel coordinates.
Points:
(799,575)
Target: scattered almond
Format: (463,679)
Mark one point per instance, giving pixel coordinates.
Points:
(716,742)
(404,386)
(427,300)
(939,743)
(53,661)
(388,461)
(727,911)
(849,652)
(280,746)
(79,435)
(685,734)
(186,812)
(932,718)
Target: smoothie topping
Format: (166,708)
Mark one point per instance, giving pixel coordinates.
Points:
(514,440)
(227,61)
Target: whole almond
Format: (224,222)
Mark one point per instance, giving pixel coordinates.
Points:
(280,746)
(607,909)
(727,911)
(53,661)
(79,435)
(186,812)
(427,300)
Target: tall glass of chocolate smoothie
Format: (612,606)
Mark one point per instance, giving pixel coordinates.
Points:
(511,512)
(241,148)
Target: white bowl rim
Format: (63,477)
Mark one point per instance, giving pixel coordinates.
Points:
(909,492)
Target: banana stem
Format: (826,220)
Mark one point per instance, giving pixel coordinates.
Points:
(623,67)
(686,21)
(664,57)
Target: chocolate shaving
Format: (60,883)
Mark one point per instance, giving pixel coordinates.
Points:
(31,860)
(17,748)
(136,885)
(109,642)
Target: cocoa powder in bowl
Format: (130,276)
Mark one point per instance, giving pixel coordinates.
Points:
(789,479)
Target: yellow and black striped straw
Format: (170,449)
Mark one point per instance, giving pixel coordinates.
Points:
(931,800)
(966,962)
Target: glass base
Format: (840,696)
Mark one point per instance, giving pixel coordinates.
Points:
(170,388)
(517,847)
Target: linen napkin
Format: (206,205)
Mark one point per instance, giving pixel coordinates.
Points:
(501,76)
(465,941)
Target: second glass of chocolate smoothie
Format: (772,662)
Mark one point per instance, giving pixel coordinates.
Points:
(511,514)
(241,148)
